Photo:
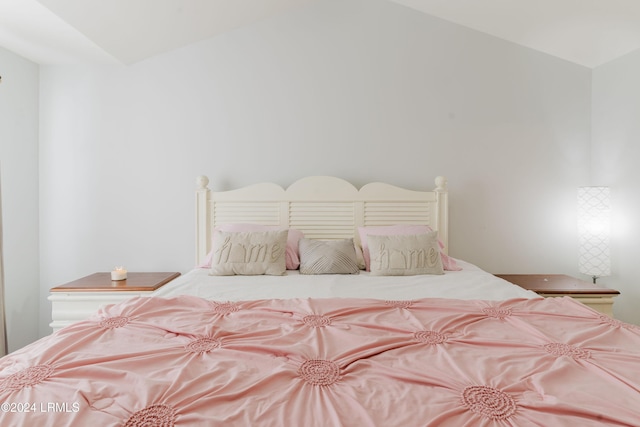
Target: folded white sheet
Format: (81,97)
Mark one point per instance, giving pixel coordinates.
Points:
(469,283)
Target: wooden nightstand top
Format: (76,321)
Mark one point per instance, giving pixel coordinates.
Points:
(101,282)
(560,284)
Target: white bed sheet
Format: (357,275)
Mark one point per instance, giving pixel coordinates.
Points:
(469,283)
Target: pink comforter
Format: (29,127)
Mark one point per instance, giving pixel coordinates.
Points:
(329,362)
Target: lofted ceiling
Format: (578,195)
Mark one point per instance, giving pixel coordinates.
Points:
(586,32)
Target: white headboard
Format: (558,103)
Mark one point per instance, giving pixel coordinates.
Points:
(322,207)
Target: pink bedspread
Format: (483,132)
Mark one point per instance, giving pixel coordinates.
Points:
(329,362)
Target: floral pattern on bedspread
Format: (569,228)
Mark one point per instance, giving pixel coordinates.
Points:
(185,361)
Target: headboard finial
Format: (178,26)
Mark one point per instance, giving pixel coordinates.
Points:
(202,182)
(441,183)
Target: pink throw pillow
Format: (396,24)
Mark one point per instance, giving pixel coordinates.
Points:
(448,263)
(292,259)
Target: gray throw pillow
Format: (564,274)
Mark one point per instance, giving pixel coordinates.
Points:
(328,257)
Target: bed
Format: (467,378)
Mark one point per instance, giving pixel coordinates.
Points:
(311,347)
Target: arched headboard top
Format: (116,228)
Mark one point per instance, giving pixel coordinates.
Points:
(322,207)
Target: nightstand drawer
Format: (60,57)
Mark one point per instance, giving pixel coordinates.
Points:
(70,307)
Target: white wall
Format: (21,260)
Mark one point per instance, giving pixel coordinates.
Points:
(19,168)
(615,162)
(361,89)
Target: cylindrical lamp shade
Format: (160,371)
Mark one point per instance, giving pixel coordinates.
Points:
(594,229)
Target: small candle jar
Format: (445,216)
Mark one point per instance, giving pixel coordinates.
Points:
(119,274)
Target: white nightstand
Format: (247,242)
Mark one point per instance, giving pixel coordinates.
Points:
(558,285)
(81,298)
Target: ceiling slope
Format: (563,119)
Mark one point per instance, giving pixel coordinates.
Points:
(134,30)
(586,32)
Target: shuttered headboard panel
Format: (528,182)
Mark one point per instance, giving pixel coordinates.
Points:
(322,207)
